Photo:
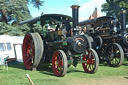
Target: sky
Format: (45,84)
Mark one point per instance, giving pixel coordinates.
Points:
(64,7)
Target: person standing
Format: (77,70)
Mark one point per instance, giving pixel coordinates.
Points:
(68,27)
(118,26)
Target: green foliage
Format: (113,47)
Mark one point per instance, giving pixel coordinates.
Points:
(16,11)
(11,30)
(36,3)
(37,28)
(19,30)
(4,29)
(113,8)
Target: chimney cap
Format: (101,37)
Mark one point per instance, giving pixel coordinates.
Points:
(75,6)
(123,11)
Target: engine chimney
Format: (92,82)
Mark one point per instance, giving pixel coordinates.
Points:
(75,9)
(123,21)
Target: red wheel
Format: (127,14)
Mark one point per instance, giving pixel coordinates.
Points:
(32,50)
(92,63)
(59,63)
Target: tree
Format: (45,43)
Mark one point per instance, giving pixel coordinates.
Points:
(113,8)
(15,11)
(36,3)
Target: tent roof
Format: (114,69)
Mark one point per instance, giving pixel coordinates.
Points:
(95,14)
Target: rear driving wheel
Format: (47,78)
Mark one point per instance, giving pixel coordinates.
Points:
(114,55)
(92,61)
(32,50)
(89,41)
(59,63)
(98,42)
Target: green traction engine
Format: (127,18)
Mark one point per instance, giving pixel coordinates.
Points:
(52,47)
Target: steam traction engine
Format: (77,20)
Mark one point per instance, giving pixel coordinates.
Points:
(47,47)
(105,39)
(122,38)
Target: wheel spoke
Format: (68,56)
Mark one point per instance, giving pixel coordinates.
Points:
(28,43)
(116,54)
(30,48)
(109,52)
(29,64)
(91,65)
(93,61)
(29,59)
(29,38)
(89,55)
(112,49)
(117,60)
(58,64)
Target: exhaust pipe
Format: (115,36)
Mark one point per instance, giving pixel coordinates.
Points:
(123,21)
(75,9)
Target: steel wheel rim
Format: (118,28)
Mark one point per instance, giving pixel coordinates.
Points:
(98,42)
(28,51)
(57,63)
(89,40)
(113,55)
(89,66)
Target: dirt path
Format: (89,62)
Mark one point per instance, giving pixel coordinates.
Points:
(110,81)
(106,81)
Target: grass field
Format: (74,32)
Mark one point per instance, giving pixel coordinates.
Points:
(16,75)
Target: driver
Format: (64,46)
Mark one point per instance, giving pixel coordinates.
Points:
(67,29)
(57,27)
